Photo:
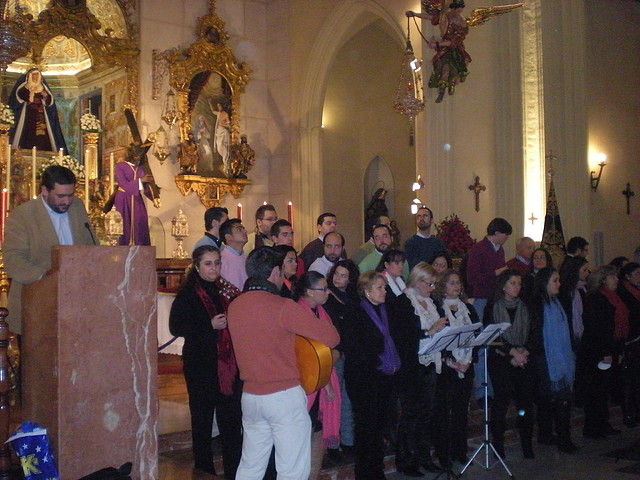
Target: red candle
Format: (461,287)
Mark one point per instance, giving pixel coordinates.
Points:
(239,211)
(290,212)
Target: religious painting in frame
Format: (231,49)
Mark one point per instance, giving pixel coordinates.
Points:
(210,102)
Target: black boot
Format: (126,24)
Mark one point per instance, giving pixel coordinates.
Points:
(562,417)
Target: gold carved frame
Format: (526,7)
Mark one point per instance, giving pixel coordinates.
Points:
(75,20)
(209,53)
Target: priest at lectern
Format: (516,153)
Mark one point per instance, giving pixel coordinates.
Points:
(55,217)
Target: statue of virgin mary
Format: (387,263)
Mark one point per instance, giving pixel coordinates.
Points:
(37,123)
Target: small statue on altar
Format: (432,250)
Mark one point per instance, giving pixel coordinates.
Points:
(242,158)
(37,123)
(189,156)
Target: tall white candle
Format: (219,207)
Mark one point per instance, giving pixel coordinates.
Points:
(60,152)
(8,173)
(86,179)
(33,172)
(111,180)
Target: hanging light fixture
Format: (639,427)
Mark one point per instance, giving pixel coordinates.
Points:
(410,95)
(160,144)
(13,39)
(170,110)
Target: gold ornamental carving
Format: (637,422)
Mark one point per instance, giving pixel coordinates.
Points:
(79,23)
(211,190)
(189,71)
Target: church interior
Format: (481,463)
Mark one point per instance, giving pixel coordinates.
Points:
(308,88)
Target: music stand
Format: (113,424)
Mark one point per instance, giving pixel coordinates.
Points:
(488,335)
(449,338)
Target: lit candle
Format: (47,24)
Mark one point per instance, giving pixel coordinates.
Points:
(3,213)
(290,212)
(60,156)
(239,211)
(264,203)
(8,171)
(86,193)
(111,162)
(33,172)
(86,179)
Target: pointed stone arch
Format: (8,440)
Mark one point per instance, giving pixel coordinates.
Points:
(346,21)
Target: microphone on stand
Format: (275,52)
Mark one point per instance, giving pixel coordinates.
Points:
(86,225)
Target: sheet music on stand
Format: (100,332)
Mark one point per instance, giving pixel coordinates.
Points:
(489,334)
(449,338)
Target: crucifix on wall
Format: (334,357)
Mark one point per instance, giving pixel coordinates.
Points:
(628,193)
(476,188)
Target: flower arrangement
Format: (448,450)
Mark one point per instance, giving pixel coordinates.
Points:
(455,235)
(90,123)
(67,161)
(6,115)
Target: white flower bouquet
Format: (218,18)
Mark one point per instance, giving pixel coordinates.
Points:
(90,123)
(67,161)
(6,115)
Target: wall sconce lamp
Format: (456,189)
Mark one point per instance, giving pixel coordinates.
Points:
(595,180)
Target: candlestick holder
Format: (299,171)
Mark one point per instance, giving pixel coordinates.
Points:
(179,231)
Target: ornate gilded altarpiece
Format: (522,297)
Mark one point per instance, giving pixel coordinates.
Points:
(208,82)
(86,48)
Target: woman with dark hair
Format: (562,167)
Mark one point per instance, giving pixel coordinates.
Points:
(199,315)
(629,292)
(606,327)
(541,258)
(551,347)
(341,306)
(311,292)
(372,363)
(456,379)
(441,262)
(391,265)
(619,262)
(289,267)
(573,281)
(417,318)
(509,364)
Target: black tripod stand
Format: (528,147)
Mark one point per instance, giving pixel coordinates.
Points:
(449,339)
(487,336)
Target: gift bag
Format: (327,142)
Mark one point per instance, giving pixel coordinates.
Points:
(31,444)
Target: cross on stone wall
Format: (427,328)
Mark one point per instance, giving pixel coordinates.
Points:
(476,188)
(628,193)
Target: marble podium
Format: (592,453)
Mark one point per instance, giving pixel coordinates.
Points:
(90,361)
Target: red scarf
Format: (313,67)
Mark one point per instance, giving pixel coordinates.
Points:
(227,367)
(329,413)
(632,289)
(621,319)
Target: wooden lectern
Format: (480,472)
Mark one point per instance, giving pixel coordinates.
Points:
(90,361)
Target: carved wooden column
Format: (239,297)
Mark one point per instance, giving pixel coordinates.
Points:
(5,456)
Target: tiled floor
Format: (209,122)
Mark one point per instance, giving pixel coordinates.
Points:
(589,463)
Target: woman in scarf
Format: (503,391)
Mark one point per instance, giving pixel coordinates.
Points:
(551,346)
(311,292)
(391,265)
(606,327)
(629,292)
(573,288)
(417,318)
(371,366)
(199,315)
(456,380)
(508,360)
(341,306)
